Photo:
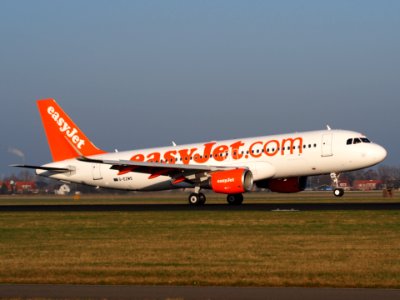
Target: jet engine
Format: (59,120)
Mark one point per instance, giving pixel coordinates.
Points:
(231,182)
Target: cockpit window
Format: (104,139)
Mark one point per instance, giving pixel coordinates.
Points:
(365,140)
(357,141)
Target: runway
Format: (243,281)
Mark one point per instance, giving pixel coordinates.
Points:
(207,207)
(188,292)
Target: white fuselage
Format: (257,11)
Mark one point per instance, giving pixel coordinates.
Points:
(267,157)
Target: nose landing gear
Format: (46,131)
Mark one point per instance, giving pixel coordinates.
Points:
(337,191)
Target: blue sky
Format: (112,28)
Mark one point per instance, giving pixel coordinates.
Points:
(137,74)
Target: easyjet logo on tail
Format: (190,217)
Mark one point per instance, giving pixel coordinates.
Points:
(65,138)
(71,133)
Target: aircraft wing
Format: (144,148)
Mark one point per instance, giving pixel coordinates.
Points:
(178,172)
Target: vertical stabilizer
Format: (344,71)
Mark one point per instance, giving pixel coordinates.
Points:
(65,139)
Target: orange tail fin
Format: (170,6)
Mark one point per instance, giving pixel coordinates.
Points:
(65,139)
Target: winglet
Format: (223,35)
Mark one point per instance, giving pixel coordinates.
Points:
(65,139)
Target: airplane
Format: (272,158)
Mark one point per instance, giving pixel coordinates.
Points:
(280,163)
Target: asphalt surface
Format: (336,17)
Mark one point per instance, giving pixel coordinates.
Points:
(206,207)
(189,293)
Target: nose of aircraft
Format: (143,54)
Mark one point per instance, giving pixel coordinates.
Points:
(377,153)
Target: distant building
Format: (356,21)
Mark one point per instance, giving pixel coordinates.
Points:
(344,184)
(366,185)
(62,190)
(20,187)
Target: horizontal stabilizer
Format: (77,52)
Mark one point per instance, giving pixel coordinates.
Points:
(53,169)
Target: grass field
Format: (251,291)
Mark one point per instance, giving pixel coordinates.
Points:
(199,247)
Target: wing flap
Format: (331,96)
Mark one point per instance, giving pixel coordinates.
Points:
(156,169)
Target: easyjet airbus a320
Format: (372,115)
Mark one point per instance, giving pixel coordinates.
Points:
(280,163)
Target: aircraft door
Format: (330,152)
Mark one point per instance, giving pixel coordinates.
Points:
(326,149)
(96,172)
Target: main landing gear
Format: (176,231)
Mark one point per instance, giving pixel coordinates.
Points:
(337,191)
(197,199)
(234,199)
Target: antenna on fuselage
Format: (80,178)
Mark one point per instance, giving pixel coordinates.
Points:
(173,144)
(328,127)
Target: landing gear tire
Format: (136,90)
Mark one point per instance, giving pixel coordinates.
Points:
(202,198)
(234,199)
(338,192)
(197,199)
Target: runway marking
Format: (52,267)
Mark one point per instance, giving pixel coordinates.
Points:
(207,207)
(189,292)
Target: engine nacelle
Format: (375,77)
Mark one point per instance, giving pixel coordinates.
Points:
(284,185)
(232,182)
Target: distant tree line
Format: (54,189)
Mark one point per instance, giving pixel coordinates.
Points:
(46,185)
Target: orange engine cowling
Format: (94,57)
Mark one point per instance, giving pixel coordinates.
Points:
(232,182)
